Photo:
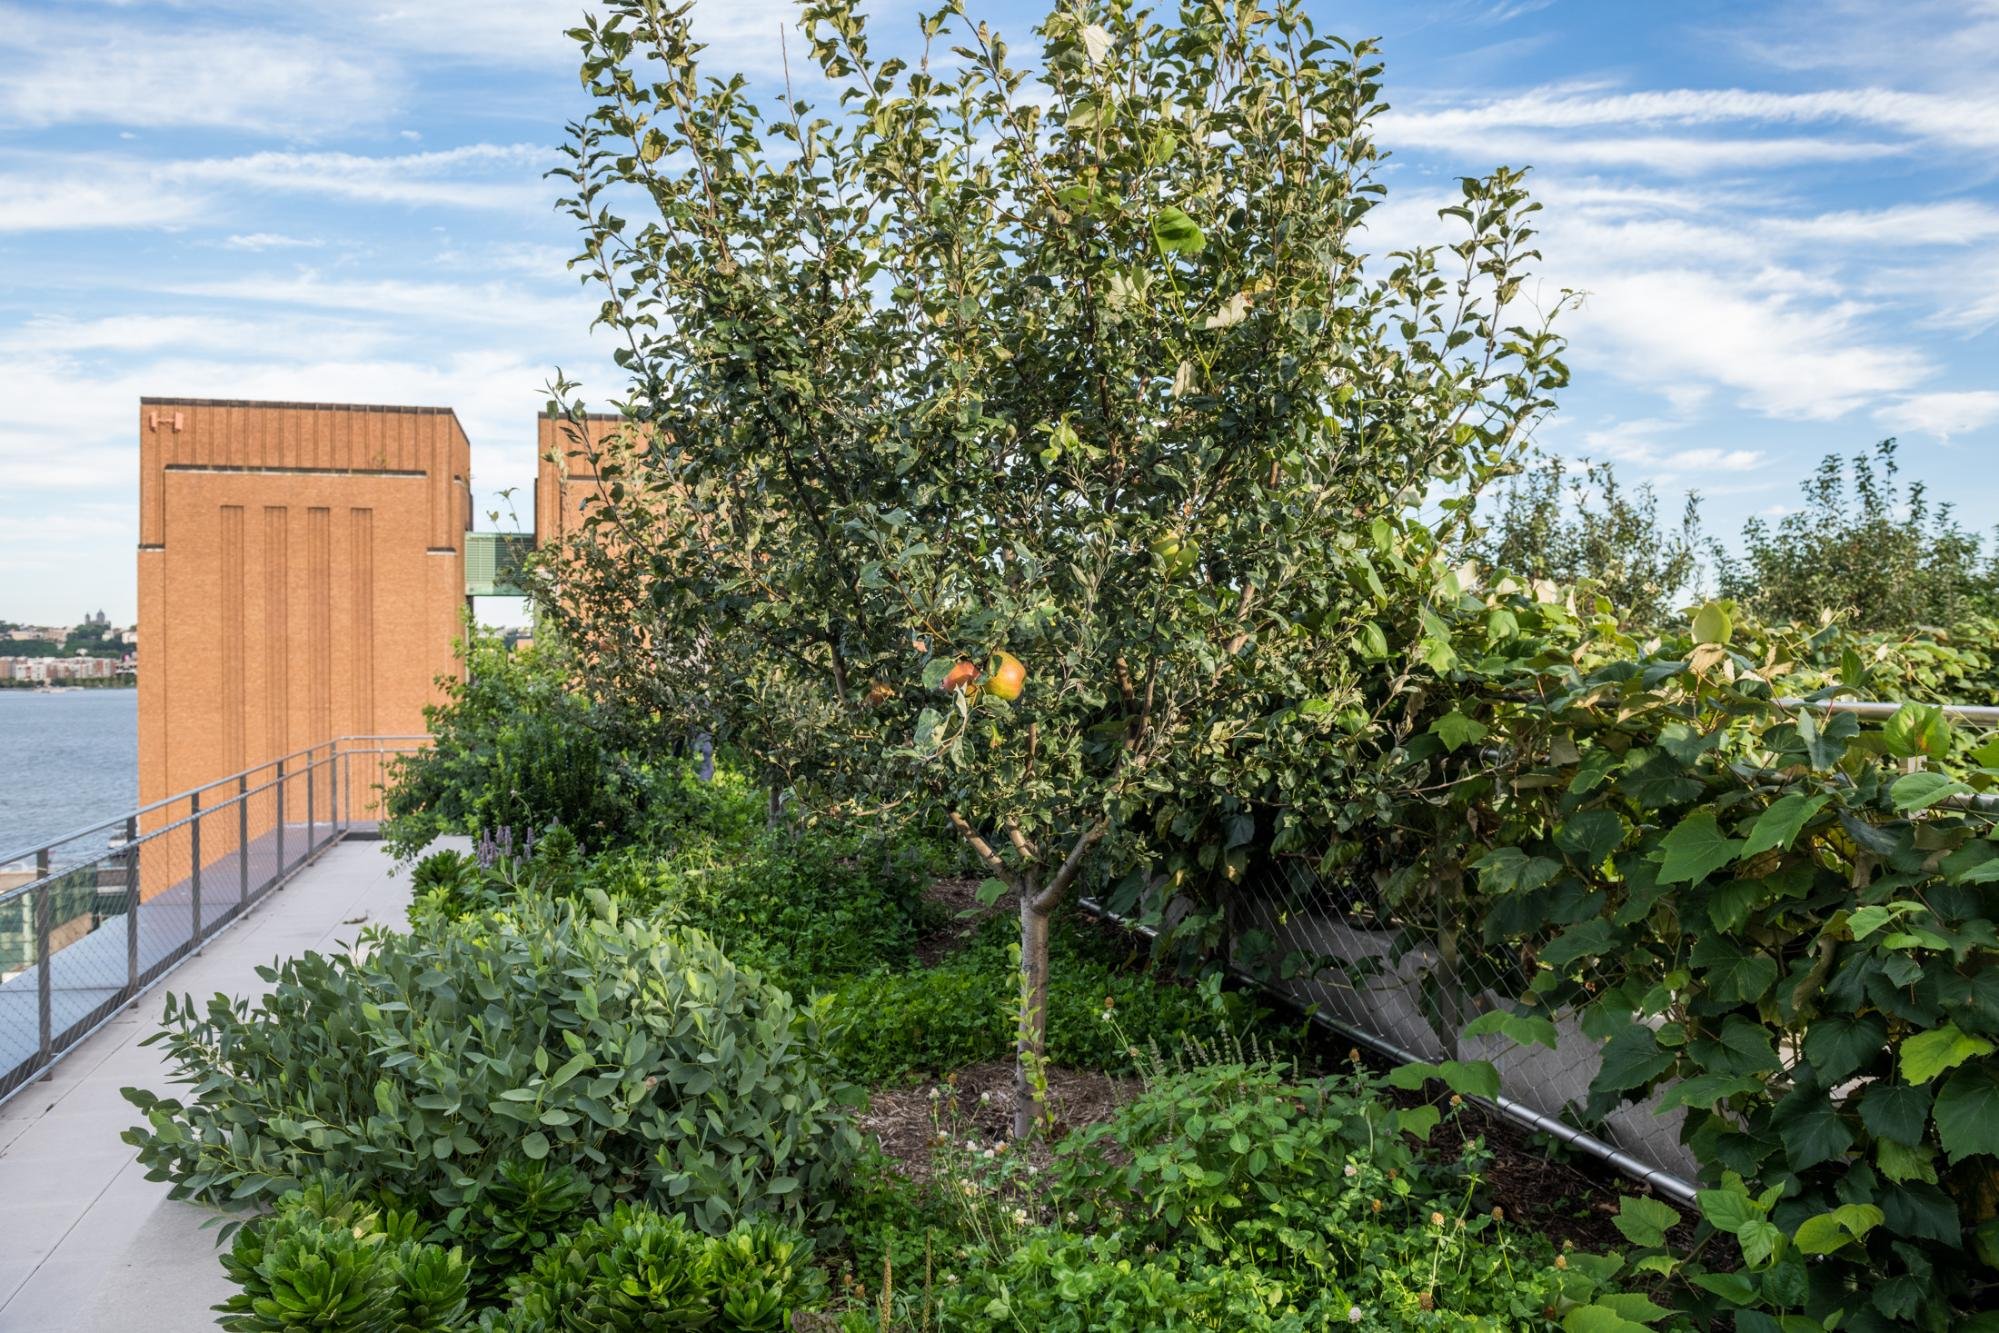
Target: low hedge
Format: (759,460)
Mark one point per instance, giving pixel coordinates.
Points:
(443,1063)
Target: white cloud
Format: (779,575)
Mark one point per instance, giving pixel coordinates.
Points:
(1782,356)
(60,192)
(480,175)
(1942,414)
(270,240)
(1953,120)
(182,75)
(429,307)
(84,202)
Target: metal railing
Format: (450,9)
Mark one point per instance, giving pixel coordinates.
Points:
(108,910)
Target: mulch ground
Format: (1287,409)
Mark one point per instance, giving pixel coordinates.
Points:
(1562,1194)
(977,1103)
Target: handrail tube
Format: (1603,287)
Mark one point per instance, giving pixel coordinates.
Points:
(170,827)
(114,821)
(56,1035)
(1876,708)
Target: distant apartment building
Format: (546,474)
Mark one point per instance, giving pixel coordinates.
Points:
(50,670)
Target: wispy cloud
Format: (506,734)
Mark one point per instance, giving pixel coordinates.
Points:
(270,240)
(50,192)
(1783,357)
(1947,119)
(1942,414)
(182,75)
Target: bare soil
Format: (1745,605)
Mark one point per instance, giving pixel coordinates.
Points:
(977,1102)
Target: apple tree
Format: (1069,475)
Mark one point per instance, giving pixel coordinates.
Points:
(1034,446)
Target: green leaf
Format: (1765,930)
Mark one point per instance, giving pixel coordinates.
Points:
(1843,1225)
(1599,1319)
(1589,939)
(1632,1058)
(1967,1113)
(535,1146)
(1928,1054)
(1590,835)
(1176,233)
(1778,826)
(1469,1078)
(1838,1044)
(1902,1164)
(1455,729)
(991,891)
(1736,1288)
(1645,1222)
(1895,1111)
(1920,791)
(1810,1126)
(1733,973)
(1695,849)
(1520,1029)
(1729,1208)
(1917,730)
(1418,1120)
(1713,624)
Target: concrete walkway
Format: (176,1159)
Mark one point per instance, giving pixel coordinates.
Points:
(87,1243)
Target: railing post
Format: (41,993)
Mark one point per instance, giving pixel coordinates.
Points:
(311,809)
(194,873)
(131,906)
(333,776)
(280,872)
(242,841)
(44,982)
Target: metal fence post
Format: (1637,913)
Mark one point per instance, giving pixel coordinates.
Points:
(131,906)
(242,840)
(311,809)
(280,872)
(44,987)
(333,776)
(194,873)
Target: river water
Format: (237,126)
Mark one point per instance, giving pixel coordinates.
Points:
(67,760)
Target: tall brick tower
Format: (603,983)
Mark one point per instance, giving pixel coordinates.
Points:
(301,577)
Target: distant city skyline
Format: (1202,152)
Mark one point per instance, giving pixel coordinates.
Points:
(1785,215)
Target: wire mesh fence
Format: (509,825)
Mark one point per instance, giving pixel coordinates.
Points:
(1404,975)
(94,918)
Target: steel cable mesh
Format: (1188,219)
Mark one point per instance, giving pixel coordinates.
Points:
(1409,974)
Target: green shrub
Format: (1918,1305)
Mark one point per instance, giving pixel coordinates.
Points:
(1233,1155)
(634,1053)
(889,1026)
(1759,913)
(803,907)
(1223,1196)
(328,1259)
(513,746)
(638,1269)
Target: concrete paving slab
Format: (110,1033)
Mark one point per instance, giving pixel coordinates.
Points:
(92,1245)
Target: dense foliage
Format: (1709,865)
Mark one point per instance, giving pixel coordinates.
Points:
(434,1062)
(995,451)
(516,747)
(1578,525)
(1759,914)
(1866,549)
(1229,1193)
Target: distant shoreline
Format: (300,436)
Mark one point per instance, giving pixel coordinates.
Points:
(68,685)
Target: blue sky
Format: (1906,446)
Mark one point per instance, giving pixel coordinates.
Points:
(1786,217)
